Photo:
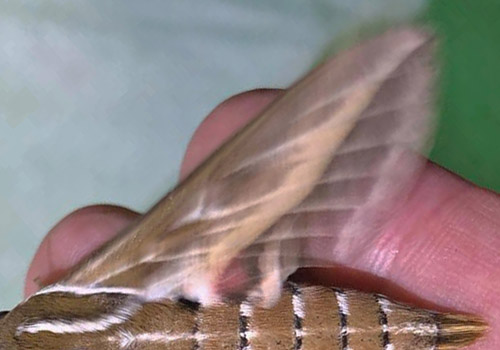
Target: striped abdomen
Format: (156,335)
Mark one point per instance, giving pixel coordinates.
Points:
(305,318)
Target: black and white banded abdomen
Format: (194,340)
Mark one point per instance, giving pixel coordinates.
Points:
(305,318)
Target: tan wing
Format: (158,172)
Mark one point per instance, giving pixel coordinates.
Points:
(314,165)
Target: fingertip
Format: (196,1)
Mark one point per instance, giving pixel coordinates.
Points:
(73,238)
(442,247)
(222,122)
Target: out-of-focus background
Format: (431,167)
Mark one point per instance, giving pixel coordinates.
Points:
(98,99)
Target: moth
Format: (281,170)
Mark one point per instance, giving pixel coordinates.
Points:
(314,176)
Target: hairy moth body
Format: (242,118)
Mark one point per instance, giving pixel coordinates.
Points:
(305,318)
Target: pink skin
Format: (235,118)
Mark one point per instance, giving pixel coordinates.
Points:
(443,251)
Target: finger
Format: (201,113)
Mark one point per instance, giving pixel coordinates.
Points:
(73,238)
(443,248)
(222,122)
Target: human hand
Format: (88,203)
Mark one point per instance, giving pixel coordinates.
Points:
(442,251)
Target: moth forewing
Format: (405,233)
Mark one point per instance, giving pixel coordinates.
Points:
(313,177)
(266,183)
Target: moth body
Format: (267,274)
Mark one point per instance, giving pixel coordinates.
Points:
(308,183)
(305,318)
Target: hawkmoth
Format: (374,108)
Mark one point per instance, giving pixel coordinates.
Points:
(320,168)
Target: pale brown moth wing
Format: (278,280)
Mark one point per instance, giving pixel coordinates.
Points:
(366,182)
(316,163)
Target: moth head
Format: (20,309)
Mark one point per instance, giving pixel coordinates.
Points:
(6,331)
(17,325)
(3,344)
(12,322)
(55,320)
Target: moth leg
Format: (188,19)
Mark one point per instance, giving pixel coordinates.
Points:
(39,283)
(268,291)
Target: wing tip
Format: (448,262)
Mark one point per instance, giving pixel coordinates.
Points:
(420,38)
(413,33)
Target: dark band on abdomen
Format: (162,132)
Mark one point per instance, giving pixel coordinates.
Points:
(382,318)
(343,306)
(195,308)
(298,314)
(243,321)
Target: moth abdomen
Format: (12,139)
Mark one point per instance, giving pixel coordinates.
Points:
(305,318)
(458,330)
(314,317)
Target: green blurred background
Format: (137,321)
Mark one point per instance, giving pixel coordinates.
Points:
(98,99)
(468,138)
